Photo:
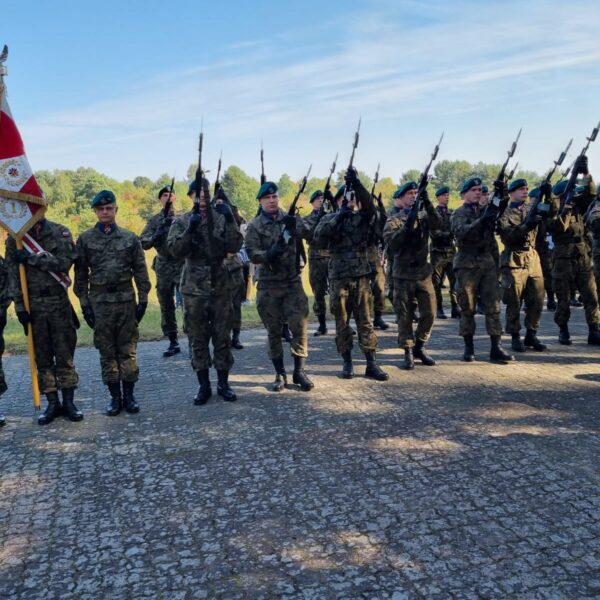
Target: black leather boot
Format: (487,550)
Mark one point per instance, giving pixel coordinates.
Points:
(70,410)
(469,353)
(286,334)
(52,411)
(440,313)
(531,341)
(419,352)
(455,314)
(204,391)
(235,340)
(113,408)
(129,402)
(497,352)
(322,329)
(347,369)
(409,359)
(173,348)
(379,323)
(516,344)
(373,370)
(593,335)
(223,388)
(280,375)
(299,377)
(564,337)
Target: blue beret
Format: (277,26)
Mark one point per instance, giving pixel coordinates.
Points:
(535,193)
(406,187)
(315,195)
(484,189)
(103,197)
(470,183)
(442,190)
(560,187)
(268,187)
(515,184)
(165,190)
(192,186)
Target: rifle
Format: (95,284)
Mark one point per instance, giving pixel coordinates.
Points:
(327,188)
(286,234)
(348,193)
(543,206)
(217,183)
(169,202)
(375,180)
(263,177)
(512,172)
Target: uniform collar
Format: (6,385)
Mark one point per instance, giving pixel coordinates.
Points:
(516,203)
(106,229)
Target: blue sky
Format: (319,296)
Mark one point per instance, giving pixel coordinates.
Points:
(122,87)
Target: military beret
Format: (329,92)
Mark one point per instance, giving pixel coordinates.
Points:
(535,193)
(316,195)
(442,190)
(580,189)
(515,184)
(192,186)
(165,190)
(470,183)
(268,187)
(341,191)
(102,198)
(484,189)
(560,187)
(406,187)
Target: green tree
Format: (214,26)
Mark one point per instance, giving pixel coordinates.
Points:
(241,190)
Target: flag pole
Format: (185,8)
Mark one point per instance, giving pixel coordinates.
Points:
(35,387)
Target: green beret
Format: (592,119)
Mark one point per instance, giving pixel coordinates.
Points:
(560,187)
(268,187)
(470,183)
(515,184)
(192,187)
(165,190)
(484,189)
(409,185)
(442,190)
(102,198)
(341,191)
(535,193)
(316,195)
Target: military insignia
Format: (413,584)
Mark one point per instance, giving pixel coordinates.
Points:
(13,174)
(12,209)
(66,234)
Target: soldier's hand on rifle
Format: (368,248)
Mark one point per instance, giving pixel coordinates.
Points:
(22,256)
(140,311)
(221,195)
(499,187)
(24,318)
(351,177)
(223,209)
(328,197)
(161,231)
(581,165)
(194,222)
(276,250)
(424,197)
(534,218)
(545,189)
(88,316)
(290,223)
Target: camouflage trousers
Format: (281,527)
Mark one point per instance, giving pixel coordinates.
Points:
(569,274)
(55,338)
(237,294)
(522,285)
(377,284)
(441,263)
(115,336)
(3,386)
(208,319)
(406,292)
(352,297)
(319,282)
(546,271)
(286,304)
(596,269)
(165,291)
(482,282)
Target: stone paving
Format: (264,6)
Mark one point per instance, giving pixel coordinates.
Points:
(459,481)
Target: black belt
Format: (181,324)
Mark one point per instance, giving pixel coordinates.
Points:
(111,289)
(47,292)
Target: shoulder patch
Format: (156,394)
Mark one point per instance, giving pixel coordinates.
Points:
(66,234)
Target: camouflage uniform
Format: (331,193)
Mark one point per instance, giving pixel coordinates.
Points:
(374,256)
(541,247)
(522,277)
(237,288)
(4,303)
(412,272)
(108,258)
(207,303)
(389,263)
(53,321)
(318,262)
(592,221)
(442,255)
(167,269)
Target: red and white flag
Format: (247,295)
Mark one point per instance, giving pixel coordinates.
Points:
(22,202)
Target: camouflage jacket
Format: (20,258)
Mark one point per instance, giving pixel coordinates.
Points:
(163,264)
(518,239)
(442,240)
(58,256)
(476,242)
(5,298)
(592,221)
(409,248)
(264,231)
(107,264)
(199,254)
(316,249)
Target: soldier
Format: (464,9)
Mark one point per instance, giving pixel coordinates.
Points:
(473,229)
(51,315)
(593,223)
(406,236)
(389,260)
(347,234)
(280,297)
(167,269)
(572,267)
(377,272)
(522,278)
(109,257)
(442,254)
(4,303)
(205,286)
(318,260)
